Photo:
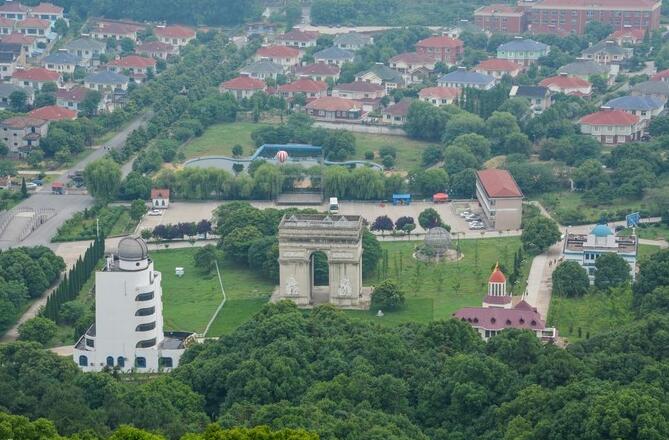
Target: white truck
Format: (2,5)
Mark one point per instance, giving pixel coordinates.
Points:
(334,205)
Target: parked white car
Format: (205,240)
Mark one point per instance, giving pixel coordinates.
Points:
(155,212)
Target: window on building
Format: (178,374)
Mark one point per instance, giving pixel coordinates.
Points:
(83,361)
(120,361)
(165,362)
(145,327)
(110,361)
(146,311)
(140,362)
(146,344)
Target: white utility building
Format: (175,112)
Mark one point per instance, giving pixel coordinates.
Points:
(128,330)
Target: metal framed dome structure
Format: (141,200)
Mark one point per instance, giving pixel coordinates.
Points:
(439,240)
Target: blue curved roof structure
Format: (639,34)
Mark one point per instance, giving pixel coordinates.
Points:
(601,230)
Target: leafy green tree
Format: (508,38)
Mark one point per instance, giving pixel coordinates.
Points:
(463,184)
(135,186)
(431,155)
(429,218)
(517,143)
(138,209)
(383,223)
(371,252)
(425,121)
(89,105)
(428,182)
(205,258)
(18,101)
(103,178)
(539,234)
(236,243)
(387,296)
(570,280)
(38,329)
(474,143)
(457,159)
(463,123)
(237,150)
(611,271)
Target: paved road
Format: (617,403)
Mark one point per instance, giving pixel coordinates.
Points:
(65,205)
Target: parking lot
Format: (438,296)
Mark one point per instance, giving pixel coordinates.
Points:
(449,212)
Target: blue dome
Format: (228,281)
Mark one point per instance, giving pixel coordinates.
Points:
(602,230)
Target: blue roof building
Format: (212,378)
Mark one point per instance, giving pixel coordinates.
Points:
(522,51)
(586,248)
(334,55)
(461,78)
(643,106)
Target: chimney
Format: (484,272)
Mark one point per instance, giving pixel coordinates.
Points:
(605,108)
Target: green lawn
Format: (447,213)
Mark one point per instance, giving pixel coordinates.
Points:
(436,291)
(569,208)
(594,313)
(655,231)
(190,301)
(219,140)
(409,151)
(113,220)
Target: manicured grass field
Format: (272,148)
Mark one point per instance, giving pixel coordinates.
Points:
(190,301)
(565,205)
(655,231)
(594,313)
(436,291)
(219,140)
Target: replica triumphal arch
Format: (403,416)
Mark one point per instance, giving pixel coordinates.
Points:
(340,238)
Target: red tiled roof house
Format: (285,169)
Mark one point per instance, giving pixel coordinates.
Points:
(243,86)
(612,126)
(23,133)
(445,49)
(175,35)
(308,87)
(35,77)
(359,90)
(282,55)
(499,18)
(331,108)
(297,38)
(396,114)
(569,85)
(160,198)
(137,67)
(498,68)
(500,198)
(71,98)
(156,49)
(439,95)
(53,113)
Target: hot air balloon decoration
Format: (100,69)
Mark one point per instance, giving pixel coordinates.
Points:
(281,156)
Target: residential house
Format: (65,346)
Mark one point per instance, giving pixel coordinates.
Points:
(498,313)
(298,39)
(263,69)
(439,95)
(72,98)
(106,82)
(334,55)
(136,67)
(442,48)
(118,30)
(658,89)
(500,198)
(8,61)
(319,71)
(156,49)
(662,75)
(266,30)
(331,108)
(51,113)
(607,52)
(6,91)
(308,87)
(352,41)
(359,90)
(584,69)
(36,27)
(499,18)
(22,133)
(35,77)
(6,26)
(409,63)
(538,96)
(498,68)
(381,74)
(28,44)
(17,50)
(87,49)
(522,51)
(13,10)
(285,56)
(461,79)
(396,114)
(178,36)
(243,86)
(61,62)
(628,36)
(584,249)
(645,107)
(612,127)
(569,85)
(48,11)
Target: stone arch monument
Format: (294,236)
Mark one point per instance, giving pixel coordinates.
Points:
(340,238)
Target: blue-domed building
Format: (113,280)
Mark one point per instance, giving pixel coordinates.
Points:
(585,248)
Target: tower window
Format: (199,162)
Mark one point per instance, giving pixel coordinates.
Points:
(110,361)
(83,361)
(146,311)
(166,362)
(121,361)
(140,362)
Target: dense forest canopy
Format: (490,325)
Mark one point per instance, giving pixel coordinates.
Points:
(392,12)
(210,12)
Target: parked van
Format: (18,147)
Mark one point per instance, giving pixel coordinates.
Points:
(334,205)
